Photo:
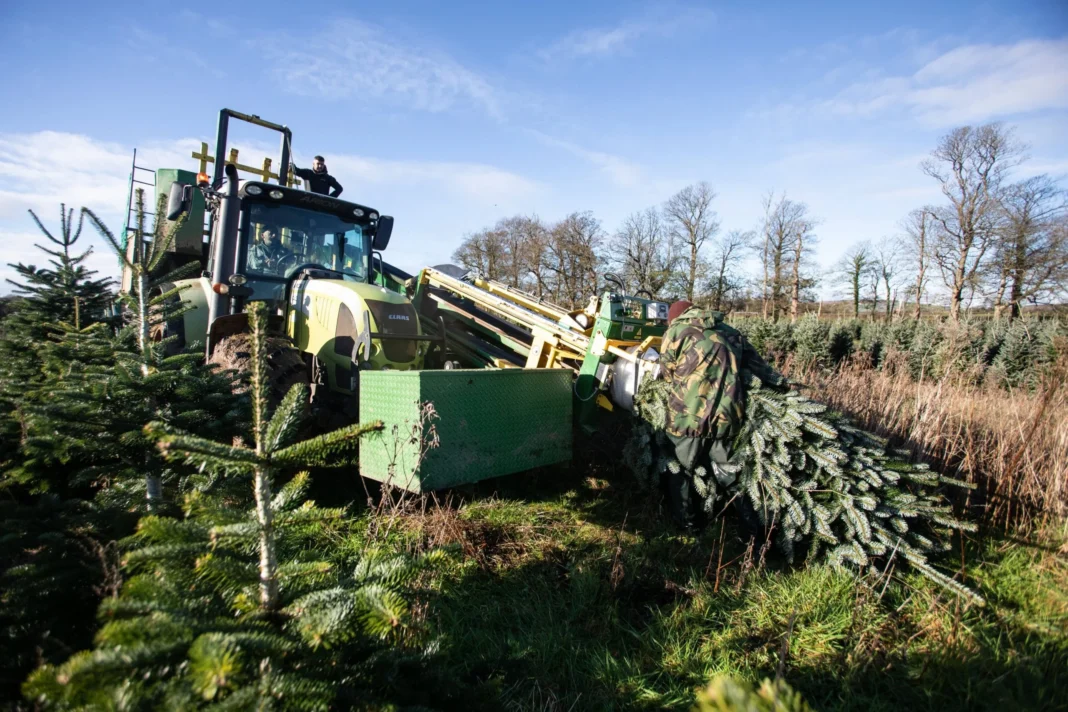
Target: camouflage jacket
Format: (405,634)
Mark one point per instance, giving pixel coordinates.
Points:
(702,360)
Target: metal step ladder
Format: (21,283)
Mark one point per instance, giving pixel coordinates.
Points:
(129,224)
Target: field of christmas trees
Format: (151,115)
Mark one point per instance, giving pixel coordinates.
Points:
(172,537)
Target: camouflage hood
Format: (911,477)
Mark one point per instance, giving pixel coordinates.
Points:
(701,362)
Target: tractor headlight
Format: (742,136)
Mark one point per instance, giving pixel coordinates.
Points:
(373,216)
(357,212)
(253,189)
(237,280)
(276,194)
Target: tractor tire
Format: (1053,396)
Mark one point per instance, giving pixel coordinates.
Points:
(285,365)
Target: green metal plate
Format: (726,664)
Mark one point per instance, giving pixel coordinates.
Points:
(489,423)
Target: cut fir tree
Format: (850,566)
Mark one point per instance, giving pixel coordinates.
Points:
(830,490)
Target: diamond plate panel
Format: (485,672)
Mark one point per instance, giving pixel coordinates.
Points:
(490,423)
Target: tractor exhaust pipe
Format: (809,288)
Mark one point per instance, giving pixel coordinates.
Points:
(225,246)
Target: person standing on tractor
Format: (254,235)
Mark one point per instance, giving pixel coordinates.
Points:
(318,179)
(269,254)
(701,359)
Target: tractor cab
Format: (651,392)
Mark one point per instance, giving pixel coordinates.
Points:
(311,258)
(285,233)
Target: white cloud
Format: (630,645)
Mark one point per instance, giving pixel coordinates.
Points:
(358,60)
(606,41)
(468,180)
(619,170)
(38,171)
(970,83)
(41,170)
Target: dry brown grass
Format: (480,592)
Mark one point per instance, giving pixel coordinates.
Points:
(1012,444)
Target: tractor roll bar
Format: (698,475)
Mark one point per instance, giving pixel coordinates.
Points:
(220,143)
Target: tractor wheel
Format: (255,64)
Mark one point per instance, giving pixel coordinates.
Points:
(285,366)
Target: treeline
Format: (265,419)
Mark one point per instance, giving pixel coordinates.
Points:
(994,241)
(1000,353)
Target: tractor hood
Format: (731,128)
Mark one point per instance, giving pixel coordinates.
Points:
(328,316)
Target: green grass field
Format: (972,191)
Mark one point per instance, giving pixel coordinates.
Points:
(572,593)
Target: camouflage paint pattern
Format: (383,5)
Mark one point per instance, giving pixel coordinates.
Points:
(702,359)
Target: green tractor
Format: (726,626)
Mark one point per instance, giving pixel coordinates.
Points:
(491,373)
(315,260)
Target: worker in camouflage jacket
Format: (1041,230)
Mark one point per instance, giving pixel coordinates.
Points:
(703,361)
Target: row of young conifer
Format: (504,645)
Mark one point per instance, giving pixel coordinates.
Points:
(1006,354)
(158,544)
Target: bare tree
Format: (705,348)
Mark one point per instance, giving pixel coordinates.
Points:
(803,240)
(1032,253)
(513,233)
(644,253)
(775,235)
(727,254)
(873,277)
(886,265)
(484,252)
(970,164)
(574,257)
(919,232)
(692,221)
(853,270)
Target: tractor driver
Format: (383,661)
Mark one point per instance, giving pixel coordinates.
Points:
(269,254)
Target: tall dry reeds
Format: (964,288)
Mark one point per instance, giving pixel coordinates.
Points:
(1012,444)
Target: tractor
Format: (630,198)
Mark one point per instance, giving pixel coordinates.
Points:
(315,260)
(508,374)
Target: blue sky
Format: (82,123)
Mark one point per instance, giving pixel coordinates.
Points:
(450,115)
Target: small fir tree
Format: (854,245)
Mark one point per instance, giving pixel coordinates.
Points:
(66,292)
(96,409)
(53,544)
(242,606)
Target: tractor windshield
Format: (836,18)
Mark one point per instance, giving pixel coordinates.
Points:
(282,238)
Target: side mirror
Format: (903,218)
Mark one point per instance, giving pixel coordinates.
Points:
(179,200)
(385,229)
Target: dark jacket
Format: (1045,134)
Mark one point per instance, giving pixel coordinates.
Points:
(320,183)
(264,258)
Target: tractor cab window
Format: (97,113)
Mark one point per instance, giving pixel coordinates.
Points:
(283,238)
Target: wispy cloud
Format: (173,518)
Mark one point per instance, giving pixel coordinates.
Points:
(40,170)
(969,83)
(469,180)
(620,171)
(661,21)
(359,60)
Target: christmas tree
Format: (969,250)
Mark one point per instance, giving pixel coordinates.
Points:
(54,552)
(102,388)
(242,601)
(829,490)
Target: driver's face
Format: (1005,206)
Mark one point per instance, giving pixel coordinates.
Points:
(318,166)
(268,237)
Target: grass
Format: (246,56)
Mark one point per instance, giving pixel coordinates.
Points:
(569,592)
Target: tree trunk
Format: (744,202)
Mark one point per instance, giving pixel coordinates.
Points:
(764,294)
(919,292)
(1019,274)
(693,270)
(999,295)
(268,560)
(956,293)
(856,295)
(776,286)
